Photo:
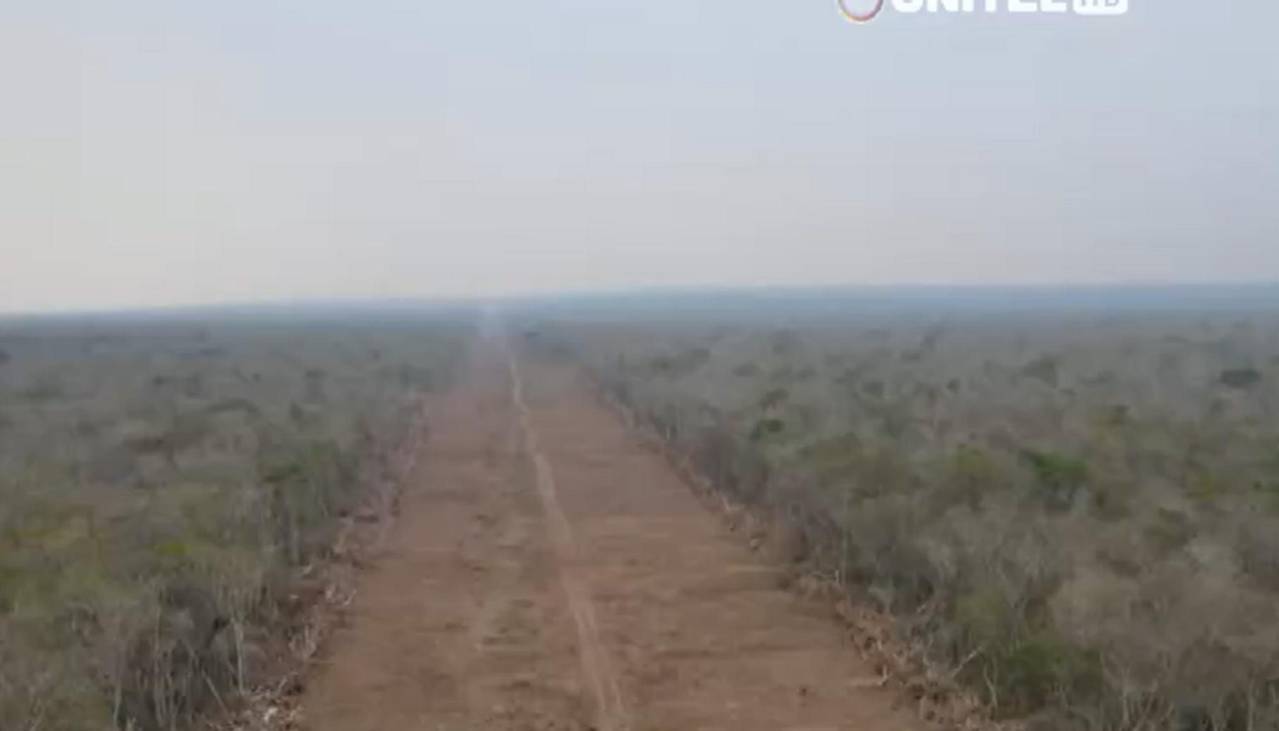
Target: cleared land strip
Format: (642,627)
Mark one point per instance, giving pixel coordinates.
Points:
(548,572)
(462,625)
(610,710)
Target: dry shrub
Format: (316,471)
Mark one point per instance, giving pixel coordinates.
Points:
(153,599)
(1086,545)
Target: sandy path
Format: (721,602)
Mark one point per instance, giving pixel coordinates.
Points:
(610,710)
(548,572)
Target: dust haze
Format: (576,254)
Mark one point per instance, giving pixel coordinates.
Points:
(157,154)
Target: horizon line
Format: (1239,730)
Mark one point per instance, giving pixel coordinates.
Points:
(284,305)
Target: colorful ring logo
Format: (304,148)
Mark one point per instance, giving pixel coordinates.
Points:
(855,17)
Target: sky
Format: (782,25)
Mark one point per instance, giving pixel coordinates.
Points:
(173,153)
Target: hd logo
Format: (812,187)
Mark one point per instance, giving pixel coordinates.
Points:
(1101,7)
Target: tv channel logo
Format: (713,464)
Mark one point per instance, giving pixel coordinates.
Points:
(864,11)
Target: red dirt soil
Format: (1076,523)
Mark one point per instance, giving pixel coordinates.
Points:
(550,573)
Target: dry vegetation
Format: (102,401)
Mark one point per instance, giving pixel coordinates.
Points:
(1079,515)
(162,485)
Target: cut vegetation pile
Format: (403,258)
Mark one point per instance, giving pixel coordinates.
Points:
(161,485)
(1079,516)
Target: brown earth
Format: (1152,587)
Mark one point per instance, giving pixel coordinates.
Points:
(550,573)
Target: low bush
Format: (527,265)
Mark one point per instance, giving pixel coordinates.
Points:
(1075,515)
(143,563)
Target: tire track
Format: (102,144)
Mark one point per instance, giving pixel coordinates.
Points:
(611,714)
(461,622)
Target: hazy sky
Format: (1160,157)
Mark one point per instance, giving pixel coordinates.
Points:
(179,152)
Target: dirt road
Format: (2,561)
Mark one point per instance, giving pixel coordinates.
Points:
(550,573)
